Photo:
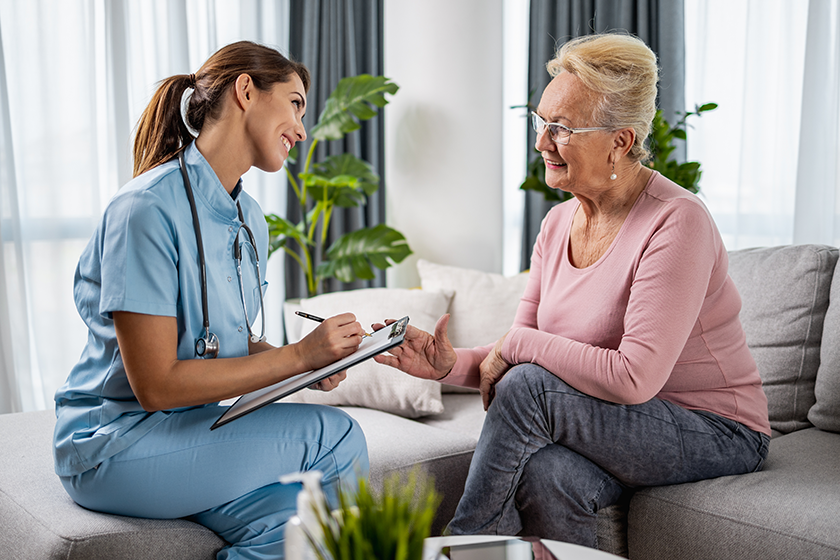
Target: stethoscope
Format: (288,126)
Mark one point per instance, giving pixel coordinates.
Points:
(208,345)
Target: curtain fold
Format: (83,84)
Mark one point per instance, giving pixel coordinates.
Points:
(760,61)
(336,39)
(17,392)
(72,86)
(816,216)
(659,23)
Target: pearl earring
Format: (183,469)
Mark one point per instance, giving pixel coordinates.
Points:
(613,177)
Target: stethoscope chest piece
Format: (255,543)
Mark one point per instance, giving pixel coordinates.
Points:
(207,346)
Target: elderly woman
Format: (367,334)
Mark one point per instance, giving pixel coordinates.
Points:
(626,365)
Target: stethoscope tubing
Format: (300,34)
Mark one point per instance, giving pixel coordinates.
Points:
(208,346)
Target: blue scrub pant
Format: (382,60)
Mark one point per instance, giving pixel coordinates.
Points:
(227,479)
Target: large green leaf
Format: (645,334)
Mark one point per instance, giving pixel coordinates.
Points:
(280,230)
(345,178)
(354,254)
(355,97)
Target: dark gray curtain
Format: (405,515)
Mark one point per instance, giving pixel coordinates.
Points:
(336,39)
(659,23)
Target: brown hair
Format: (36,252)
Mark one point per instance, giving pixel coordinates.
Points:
(622,70)
(162,133)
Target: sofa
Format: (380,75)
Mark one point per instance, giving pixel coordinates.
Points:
(791,509)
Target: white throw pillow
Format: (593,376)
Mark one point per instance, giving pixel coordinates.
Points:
(370,384)
(483,306)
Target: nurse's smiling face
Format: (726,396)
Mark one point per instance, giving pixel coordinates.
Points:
(274,123)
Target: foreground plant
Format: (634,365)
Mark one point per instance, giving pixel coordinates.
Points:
(389,525)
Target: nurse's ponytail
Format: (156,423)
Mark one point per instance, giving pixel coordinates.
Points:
(162,132)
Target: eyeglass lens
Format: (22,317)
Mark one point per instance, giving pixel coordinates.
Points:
(558,132)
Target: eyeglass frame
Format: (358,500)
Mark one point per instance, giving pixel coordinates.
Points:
(570,130)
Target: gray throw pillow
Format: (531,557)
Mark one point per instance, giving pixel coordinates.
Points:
(825,414)
(785,297)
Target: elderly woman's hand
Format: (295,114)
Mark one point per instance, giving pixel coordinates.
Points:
(421,354)
(492,368)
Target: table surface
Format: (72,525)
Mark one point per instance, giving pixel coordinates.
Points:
(562,550)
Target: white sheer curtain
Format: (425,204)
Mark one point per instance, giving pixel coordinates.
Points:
(769,152)
(74,77)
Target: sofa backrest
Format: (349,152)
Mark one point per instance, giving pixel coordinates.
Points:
(785,295)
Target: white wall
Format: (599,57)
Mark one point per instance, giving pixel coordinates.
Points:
(443,135)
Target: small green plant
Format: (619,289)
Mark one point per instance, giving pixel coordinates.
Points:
(661,145)
(392,524)
(686,174)
(343,181)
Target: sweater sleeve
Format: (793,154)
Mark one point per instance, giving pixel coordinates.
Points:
(667,292)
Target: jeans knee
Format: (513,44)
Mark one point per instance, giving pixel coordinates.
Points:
(527,378)
(516,378)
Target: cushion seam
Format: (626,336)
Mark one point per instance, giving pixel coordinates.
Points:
(431,459)
(808,334)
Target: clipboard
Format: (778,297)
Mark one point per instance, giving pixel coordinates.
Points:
(380,341)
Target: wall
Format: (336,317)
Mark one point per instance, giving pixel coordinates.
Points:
(443,151)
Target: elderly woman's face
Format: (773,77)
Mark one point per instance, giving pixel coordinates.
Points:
(584,162)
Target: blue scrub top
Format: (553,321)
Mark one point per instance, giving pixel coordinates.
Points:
(143,258)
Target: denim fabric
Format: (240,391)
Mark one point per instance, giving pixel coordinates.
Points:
(228,479)
(549,457)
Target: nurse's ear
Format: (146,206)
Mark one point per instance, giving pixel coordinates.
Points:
(243,91)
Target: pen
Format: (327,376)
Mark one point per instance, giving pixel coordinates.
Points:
(319,319)
(309,316)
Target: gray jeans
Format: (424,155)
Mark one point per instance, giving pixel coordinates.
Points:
(549,457)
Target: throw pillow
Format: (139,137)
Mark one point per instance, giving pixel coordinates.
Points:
(483,305)
(825,414)
(784,291)
(370,384)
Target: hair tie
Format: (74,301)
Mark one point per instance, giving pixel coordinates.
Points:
(192,81)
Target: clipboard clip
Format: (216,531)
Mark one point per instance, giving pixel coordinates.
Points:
(398,328)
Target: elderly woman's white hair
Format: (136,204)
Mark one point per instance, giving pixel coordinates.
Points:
(622,71)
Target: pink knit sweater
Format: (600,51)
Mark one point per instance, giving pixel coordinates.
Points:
(655,316)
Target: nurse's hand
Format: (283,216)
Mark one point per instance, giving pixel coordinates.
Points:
(332,340)
(331,382)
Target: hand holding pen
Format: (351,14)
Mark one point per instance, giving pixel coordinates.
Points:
(321,320)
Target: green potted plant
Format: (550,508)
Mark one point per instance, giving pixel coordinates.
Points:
(662,136)
(343,181)
(390,524)
(661,145)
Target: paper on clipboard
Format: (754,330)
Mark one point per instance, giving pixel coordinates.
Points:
(378,342)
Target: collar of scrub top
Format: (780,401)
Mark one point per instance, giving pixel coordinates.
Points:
(207,187)
(213,191)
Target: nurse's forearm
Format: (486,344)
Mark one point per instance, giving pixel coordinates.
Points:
(148,345)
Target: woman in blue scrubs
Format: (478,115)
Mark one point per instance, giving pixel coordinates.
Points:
(133,432)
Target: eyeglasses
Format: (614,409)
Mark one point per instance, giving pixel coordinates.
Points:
(560,133)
